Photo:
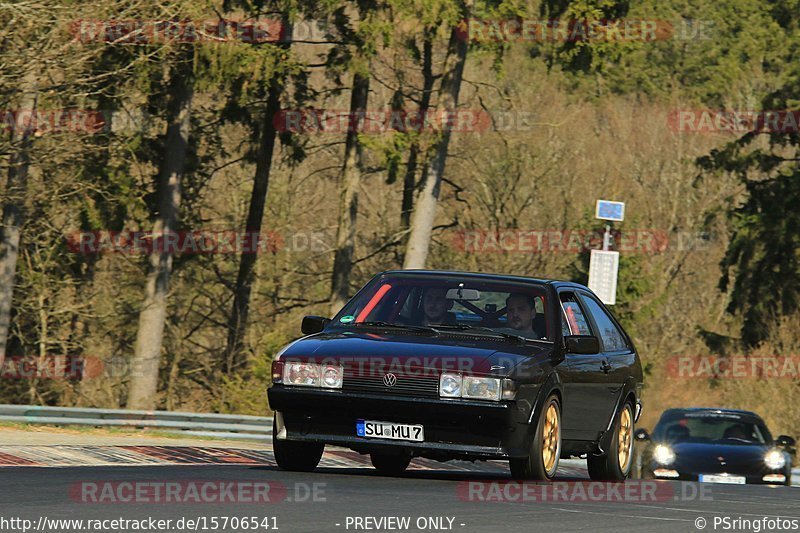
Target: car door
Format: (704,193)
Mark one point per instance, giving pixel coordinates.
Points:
(587,398)
(616,350)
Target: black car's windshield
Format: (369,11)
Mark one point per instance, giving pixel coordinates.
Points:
(710,428)
(453,304)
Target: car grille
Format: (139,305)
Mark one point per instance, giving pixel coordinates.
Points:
(417,386)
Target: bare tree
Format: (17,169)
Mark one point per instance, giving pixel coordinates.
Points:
(12,210)
(147,352)
(425,211)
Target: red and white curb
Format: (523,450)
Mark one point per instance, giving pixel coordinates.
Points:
(82,456)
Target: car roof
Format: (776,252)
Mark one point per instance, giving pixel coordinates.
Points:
(486,275)
(711,411)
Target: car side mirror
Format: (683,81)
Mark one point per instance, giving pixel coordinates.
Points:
(641,434)
(313,324)
(582,344)
(785,441)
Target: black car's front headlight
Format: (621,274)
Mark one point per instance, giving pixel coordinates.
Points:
(311,375)
(455,385)
(775,460)
(663,455)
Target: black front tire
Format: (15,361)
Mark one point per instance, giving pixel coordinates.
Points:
(296,456)
(390,464)
(533,467)
(607,467)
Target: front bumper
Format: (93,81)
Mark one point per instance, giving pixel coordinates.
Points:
(468,429)
(764,477)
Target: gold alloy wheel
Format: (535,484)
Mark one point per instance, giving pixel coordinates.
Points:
(625,439)
(551,438)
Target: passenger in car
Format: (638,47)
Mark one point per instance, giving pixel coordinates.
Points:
(677,433)
(521,310)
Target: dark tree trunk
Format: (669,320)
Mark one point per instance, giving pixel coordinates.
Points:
(410,181)
(237,324)
(348,202)
(255,215)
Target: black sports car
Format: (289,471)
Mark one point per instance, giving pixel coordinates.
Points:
(716,446)
(448,365)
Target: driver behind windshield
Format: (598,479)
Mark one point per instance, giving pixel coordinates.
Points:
(436,307)
(520,311)
(736,431)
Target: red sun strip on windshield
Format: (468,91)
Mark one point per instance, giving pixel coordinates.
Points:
(373,302)
(573,322)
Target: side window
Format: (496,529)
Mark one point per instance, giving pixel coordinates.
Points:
(410,306)
(565,326)
(574,315)
(611,335)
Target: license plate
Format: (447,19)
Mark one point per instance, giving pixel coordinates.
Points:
(733,480)
(371,429)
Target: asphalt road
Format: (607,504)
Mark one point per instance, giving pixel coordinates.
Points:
(343,499)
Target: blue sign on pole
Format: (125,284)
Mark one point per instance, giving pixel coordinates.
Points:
(607,210)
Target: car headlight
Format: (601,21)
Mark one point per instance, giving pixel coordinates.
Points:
(775,459)
(450,385)
(305,374)
(663,455)
(481,388)
(331,376)
(454,385)
(313,375)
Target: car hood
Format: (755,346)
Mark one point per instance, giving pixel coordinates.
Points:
(397,352)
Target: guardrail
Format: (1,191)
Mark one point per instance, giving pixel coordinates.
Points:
(196,424)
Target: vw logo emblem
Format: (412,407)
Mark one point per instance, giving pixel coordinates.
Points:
(390,380)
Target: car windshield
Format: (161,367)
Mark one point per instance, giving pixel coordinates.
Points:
(710,428)
(452,304)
